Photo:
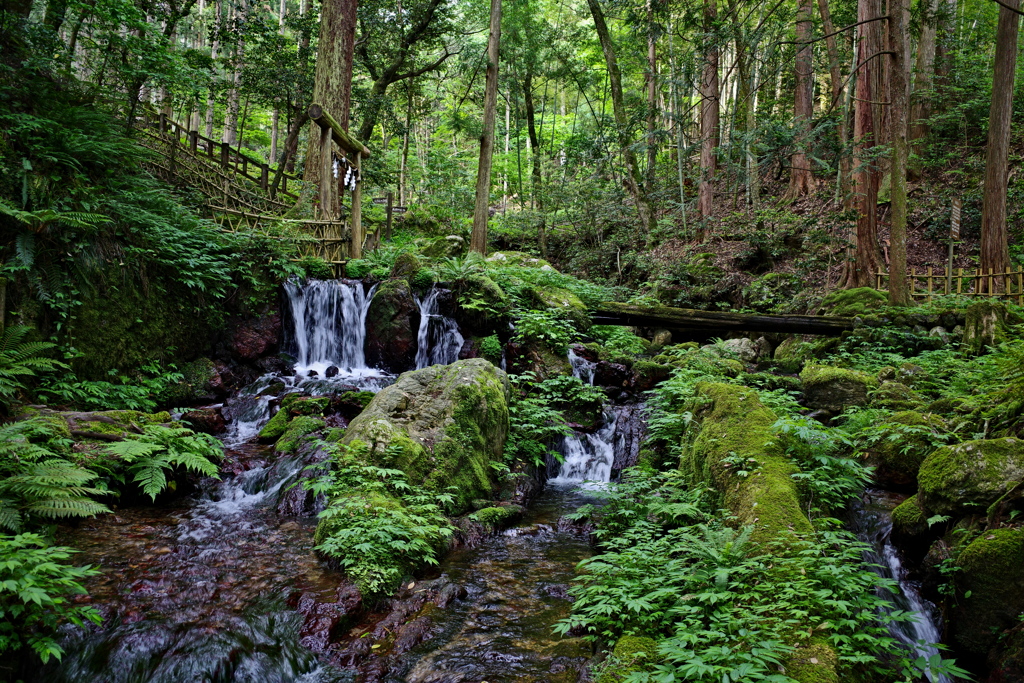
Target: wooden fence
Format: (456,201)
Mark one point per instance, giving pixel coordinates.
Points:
(926,283)
(327,240)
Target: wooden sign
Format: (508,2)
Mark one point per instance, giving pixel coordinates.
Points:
(399,209)
(954,220)
(380,200)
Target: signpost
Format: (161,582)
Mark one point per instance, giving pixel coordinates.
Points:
(380,200)
(399,209)
(954,236)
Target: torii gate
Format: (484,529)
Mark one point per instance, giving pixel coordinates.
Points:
(331,189)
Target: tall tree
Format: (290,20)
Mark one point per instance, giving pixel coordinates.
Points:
(920,108)
(633,178)
(838,90)
(481,210)
(709,116)
(801,178)
(995,254)
(332,80)
(867,255)
(899,291)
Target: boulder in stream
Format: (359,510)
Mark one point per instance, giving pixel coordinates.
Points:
(970,476)
(392,322)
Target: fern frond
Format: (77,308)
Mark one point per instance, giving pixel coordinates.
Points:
(151,475)
(10,518)
(132,449)
(59,508)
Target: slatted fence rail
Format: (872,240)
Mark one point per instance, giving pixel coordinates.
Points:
(926,283)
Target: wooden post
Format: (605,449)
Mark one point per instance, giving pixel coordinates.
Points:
(959,281)
(162,123)
(991,283)
(357,208)
(193,141)
(326,174)
(264,177)
(387,230)
(930,281)
(225,153)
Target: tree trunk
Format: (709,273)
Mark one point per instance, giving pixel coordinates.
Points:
(801,179)
(481,211)
(230,134)
(920,108)
(403,169)
(633,178)
(836,78)
(708,118)
(332,81)
(899,291)
(995,256)
(861,272)
(652,99)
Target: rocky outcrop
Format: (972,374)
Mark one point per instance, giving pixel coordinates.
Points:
(835,389)
(257,337)
(985,326)
(903,441)
(392,323)
(971,476)
(443,426)
(990,589)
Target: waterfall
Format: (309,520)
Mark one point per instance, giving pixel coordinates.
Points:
(874,524)
(582,369)
(329,325)
(438,340)
(588,457)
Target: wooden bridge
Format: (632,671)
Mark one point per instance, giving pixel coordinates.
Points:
(706,323)
(243,192)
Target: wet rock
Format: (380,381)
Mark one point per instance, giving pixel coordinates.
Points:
(296,501)
(412,634)
(392,324)
(589,352)
(608,374)
(646,375)
(257,337)
(630,434)
(332,371)
(205,420)
(990,588)
(312,373)
(275,365)
(321,620)
(970,476)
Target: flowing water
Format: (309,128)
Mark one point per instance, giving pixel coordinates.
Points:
(438,340)
(873,522)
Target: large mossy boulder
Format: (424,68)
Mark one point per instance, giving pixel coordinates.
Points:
(985,326)
(630,655)
(896,396)
(990,588)
(734,424)
(853,302)
(835,389)
(902,443)
(970,476)
(443,426)
(448,246)
(392,325)
(570,306)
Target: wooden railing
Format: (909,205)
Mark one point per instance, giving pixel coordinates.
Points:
(327,240)
(230,159)
(928,282)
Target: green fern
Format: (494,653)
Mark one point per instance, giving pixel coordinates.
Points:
(20,360)
(150,455)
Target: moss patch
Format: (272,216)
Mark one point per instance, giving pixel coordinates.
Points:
(631,654)
(908,519)
(498,517)
(734,423)
(991,572)
(904,441)
(814,663)
(835,389)
(970,476)
(895,396)
(296,432)
(853,302)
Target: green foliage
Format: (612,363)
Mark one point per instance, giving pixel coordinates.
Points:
(490,348)
(39,483)
(546,327)
(149,456)
(20,361)
(722,608)
(379,527)
(144,392)
(534,423)
(619,339)
(36,588)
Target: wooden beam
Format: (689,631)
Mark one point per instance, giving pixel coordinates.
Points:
(611,313)
(340,135)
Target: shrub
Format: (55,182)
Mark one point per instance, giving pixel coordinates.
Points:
(149,456)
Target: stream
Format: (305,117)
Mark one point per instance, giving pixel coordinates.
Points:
(211,587)
(222,585)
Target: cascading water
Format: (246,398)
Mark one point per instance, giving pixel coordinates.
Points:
(329,325)
(588,457)
(438,341)
(874,524)
(582,368)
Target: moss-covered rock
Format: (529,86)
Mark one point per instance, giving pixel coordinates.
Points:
(487,317)
(990,588)
(813,663)
(835,389)
(517,258)
(392,324)
(443,426)
(562,300)
(406,266)
(309,405)
(295,433)
(445,247)
(985,326)
(853,302)
(498,517)
(909,520)
(903,441)
(735,424)
(970,476)
(647,374)
(791,354)
(630,655)
(895,396)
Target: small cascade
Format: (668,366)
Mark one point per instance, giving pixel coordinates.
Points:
(329,325)
(438,341)
(874,524)
(588,457)
(582,368)
(248,411)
